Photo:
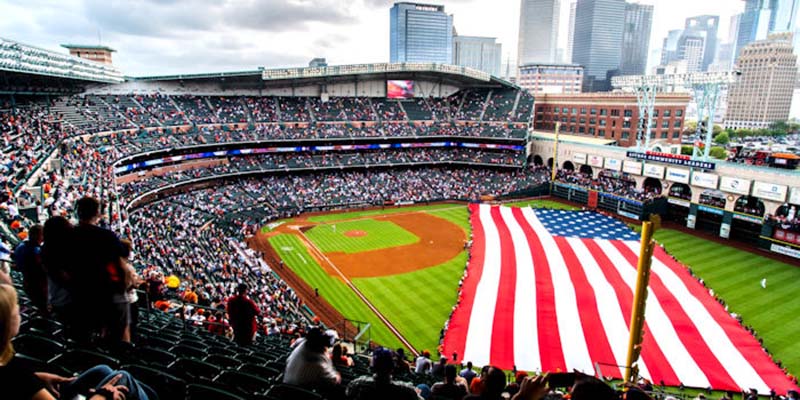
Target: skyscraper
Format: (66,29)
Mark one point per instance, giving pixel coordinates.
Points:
(708,24)
(669,50)
(420,33)
(636,38)
(598,40)
(763,93)
(571,30)
(691,48)
(762,17)
(538,31)
(481,53)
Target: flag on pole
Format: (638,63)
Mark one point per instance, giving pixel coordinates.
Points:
(552,290)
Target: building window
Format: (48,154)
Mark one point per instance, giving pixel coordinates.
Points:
(583,120)
(603,111)
(678,113)
(565,110)
(563,119)
(676,124)
(572,129)
(664,134)
(593,121)
(593,111)
(581,129)
(573,119)
(613,123)
(591,131)
(626,124)
(615,113)
(583,110)
(626,134)
(540,109)
(665,124)
(667,113)
(628,113)
(676,134)
(602,122)
(655,113)
(540,117)
(574,110)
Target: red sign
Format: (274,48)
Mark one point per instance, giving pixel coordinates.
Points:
(669,155)
(592,199)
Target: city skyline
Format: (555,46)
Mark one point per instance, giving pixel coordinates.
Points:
(157,38)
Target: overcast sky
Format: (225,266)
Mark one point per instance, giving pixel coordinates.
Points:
(190,36)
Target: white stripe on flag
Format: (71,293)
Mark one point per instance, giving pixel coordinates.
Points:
(526,345)
(660,325)
(570,328)
(479,334)
(738,367)
(614,323)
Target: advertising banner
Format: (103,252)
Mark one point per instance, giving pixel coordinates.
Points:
(794,197)
(632,167)
(769,191)
(653,171)
(705,180)
(616,165)
(596,161)
(734,185)
(579,158)
(679,175)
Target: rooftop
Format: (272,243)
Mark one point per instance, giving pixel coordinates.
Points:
(88,47)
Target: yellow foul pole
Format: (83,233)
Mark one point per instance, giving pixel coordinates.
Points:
(639,302)
(555,156)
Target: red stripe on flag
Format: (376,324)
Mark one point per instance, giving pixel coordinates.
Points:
(594,332)
(551,352)
(502,350)
(456,338)
(657,364)
(688,333)
(772,375)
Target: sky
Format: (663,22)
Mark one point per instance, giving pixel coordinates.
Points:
(160,37)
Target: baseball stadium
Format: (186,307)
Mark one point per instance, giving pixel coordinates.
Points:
(424,213)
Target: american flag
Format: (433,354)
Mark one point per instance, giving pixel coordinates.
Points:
(551,290)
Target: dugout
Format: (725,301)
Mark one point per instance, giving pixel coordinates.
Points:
(747,219)
(679,201)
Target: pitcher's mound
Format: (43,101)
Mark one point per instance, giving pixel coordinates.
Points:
(355,233)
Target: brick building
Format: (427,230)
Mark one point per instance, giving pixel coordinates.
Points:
(611,115)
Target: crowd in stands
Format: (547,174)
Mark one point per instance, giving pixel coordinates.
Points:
(713,198)
(607,183)
(287,161)
(786,218)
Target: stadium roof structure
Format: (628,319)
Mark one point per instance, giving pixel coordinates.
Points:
(22,58)
(88,47)
(277,77)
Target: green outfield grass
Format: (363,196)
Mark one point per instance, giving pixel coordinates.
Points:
(370,213)
(379,235)
(456,215)
(735,275)
(417,303)
(337,293)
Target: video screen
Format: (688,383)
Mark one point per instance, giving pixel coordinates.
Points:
(399,89)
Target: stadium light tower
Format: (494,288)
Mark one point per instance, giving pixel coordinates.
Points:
(705,87)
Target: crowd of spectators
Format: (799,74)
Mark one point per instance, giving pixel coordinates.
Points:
(619,185)
(787,218)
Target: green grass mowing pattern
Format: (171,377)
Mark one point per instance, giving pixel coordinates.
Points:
(380,235)
(372,213)
(337,293)
(456,215)
(735,275)
(417,303)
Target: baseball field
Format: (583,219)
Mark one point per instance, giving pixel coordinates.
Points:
(399,269)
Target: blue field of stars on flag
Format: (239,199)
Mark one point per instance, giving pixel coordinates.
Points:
(584,225)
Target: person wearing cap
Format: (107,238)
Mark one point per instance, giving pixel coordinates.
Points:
(423,363)
(243,313)
(309,365)
(380,385)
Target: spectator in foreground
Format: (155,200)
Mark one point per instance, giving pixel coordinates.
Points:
(28,260)
(423,363)
(56,257)
(437,370)
(98,273)
(243,312)
(449,389)
(309,365)
(19,382)
(380,385)
(468,374)
(493,383)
